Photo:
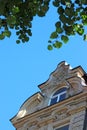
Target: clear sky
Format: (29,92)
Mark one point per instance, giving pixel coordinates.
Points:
(23,67)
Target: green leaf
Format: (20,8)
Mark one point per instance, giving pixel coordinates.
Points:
(23,40)
(11,20)
(58,24)
(69,21)
(40,14)
(50,47)
(56,3)
(26,39)
(63,18)
(49,41)
(68,29)
(15,10)
(35,1)
(57,44)
(80,31)
(68,12)
(59,30)
(65,39)
(63,2)
(17,41)
(84,16)
(54,35)
(60,10)
(84,2)
(7,33)
(85,37)
(29,32)
(2,36)
(84,22)
(68,3)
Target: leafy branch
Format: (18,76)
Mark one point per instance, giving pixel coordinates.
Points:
(18,15)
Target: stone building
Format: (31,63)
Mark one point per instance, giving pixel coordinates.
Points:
(61,103)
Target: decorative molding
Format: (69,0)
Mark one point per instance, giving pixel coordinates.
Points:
(35,114)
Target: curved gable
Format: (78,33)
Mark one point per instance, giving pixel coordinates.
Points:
(29,106)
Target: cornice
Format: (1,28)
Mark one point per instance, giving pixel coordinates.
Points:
(48,114)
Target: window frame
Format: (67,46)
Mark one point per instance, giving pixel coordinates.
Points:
(58,95)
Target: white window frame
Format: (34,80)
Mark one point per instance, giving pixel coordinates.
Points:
(57,96)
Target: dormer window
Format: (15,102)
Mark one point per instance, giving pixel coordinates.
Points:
(58,96)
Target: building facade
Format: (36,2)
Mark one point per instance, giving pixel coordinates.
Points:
(61,103)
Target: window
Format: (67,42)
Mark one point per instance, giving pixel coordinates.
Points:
(63,128)
(58,96)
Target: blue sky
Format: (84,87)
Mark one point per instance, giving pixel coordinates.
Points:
(23,67)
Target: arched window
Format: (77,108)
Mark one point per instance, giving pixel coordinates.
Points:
(58,96)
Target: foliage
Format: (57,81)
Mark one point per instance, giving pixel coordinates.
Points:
(72,20)
(19,14)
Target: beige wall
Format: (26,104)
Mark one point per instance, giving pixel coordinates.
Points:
(37,114)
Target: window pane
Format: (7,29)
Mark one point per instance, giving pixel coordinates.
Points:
(58,96)
(62,97)
(64,128)
(53,100)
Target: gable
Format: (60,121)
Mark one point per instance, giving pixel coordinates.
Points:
(63,77)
